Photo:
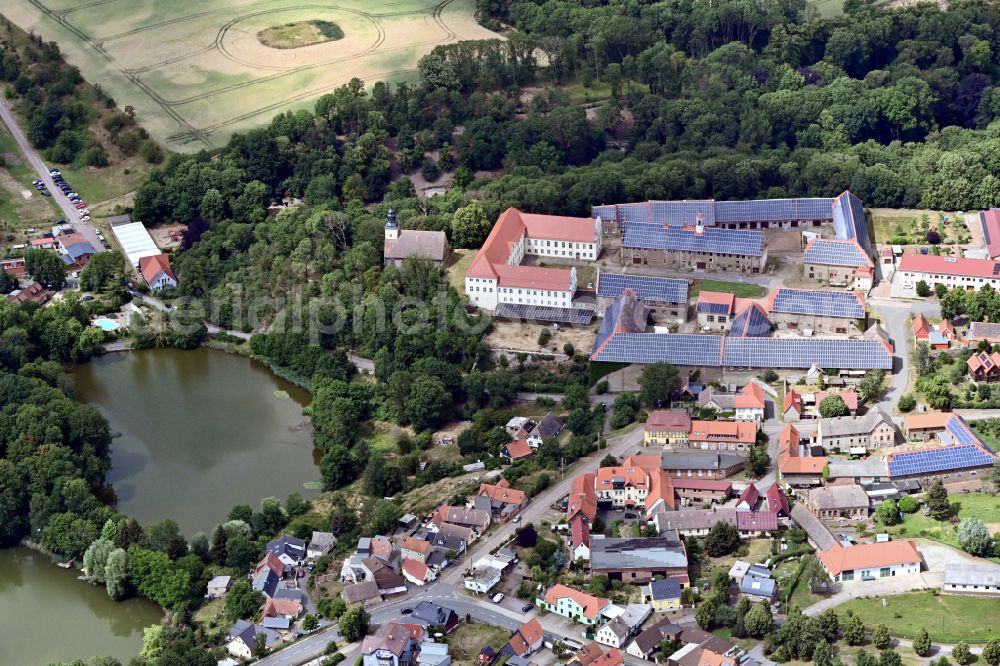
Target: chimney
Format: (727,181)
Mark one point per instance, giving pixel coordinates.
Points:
(391,226)
(699,227)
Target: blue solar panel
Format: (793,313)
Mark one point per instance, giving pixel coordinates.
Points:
(677,349)
(939,460)
(752,322)
(713,308)
(960,430)
(608,323)
(849,222)
(835,253)
(814,302)
(707,351)
(580,316)
(606,213)
(718,241)
(773,210)
(804,352)
(682,213)
(646,287)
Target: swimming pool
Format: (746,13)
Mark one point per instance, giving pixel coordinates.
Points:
(106,324)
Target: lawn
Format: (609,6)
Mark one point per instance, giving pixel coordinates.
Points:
(948,619)
(784,573)
(828,8)
(973,505)
(457,265)
(107,183)
(17,213)
(911,225)
(597,91)
(466,641)
(741,289)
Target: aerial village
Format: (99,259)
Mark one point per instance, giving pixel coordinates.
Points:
(774,501)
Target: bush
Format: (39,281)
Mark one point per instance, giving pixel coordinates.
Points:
(907,505)
(923,289)
(907,402)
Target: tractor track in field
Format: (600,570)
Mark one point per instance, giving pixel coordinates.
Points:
(189,132)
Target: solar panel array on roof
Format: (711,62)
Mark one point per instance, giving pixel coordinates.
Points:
(849,220)
(646,287)
(677,349)
(961,431)
(773,210)
(718,241)
(804,352)
(928,461)
(580,316)
(752,322)
(713,308)
(705,350)
(608,323)
(682,213)
(606,213)
(812,302)
(834,253)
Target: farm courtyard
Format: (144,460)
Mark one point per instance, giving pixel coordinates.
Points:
(197,72)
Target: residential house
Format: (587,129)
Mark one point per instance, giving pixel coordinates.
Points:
(320,544)
(647,642)
(972,578)
(266,581)
(798,470)
(401,244)
(871,431)
(638,560)
(434,615)
(504,500)
(792,406)
(952,272)
(750,403)
(613,634)
(715,310)
(361,594)
(417,572)
(664,594)
(380,547)
(777,500)
(758,586)
(550,426)
(394,644)
(519,449)
(217,587)
(839,501)
(748,498)
(243,636)
(709,658)
(582,498)
(850,399)
(279,607)
(482,579)
(518,426)
(526,640)
(389,582)
(474,519)
(753,524)
(75,251)
(978,332)
(579,538)
(433,654)
(272,562)
(984,367)
(723,435)
(701,464)
(289,550)
(157,273)
(693,522)
(33,292)
(592,655)
(573,604)
(666,428)
(720,401)
(926,426)
(870,561)
(690,492)
(413,548)
(936,336)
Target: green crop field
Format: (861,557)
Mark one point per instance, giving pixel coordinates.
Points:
(196,72)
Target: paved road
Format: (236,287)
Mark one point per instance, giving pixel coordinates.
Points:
(895,314)
(35,160)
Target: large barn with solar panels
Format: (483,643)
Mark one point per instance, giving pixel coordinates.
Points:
(838,312)
(961,451)
(666,298)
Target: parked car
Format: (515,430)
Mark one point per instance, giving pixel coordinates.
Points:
(54,172)
(526,607)
(405,611)
(86,218)
(44,192)
(88,297)
(497,598)
(516,519)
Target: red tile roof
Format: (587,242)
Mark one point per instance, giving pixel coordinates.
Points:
(519,449)
(664,419)
(750,496)
(579,533)
(752,521)
(990,220)
(582,497)
(724,431)
(709,658)
(929,263)
(271,561)
(792,399)
(777,501)
(415,568)
(718,298)
(560,227)
(713,485)
(869,556)
(927,421)
(751,397)
(281,607)
(591,605)
(416,545)
(533,277)
(850,398)
(921,328)
(502,492)
(527,634)
(151,266)
(610,658)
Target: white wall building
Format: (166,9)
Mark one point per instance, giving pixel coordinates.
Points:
(966,274)
(135,241)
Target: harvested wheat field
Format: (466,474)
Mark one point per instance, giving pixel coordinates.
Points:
(196,72)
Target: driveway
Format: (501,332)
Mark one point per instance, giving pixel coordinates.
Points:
(894,314)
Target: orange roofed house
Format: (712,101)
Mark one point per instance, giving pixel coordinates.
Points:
(496,276)
(870,561)
(157,273)
(723,435)
(984,367)
(500,499)
(798,470)
(574,604)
